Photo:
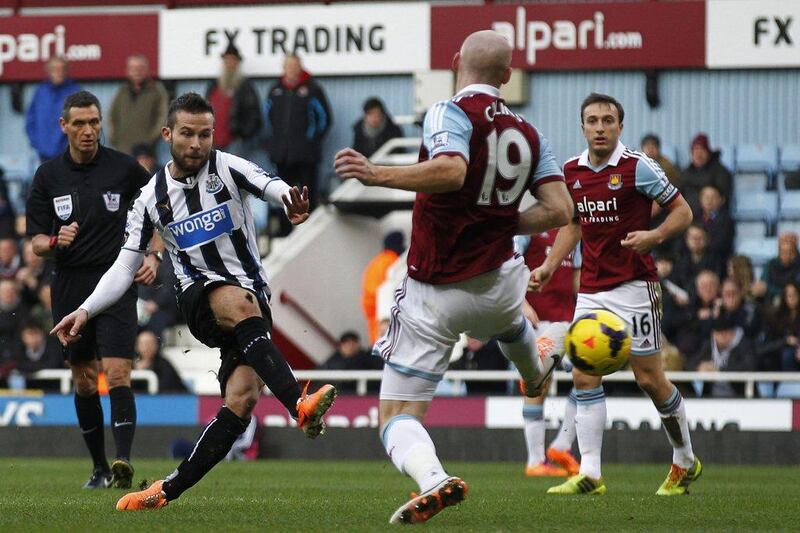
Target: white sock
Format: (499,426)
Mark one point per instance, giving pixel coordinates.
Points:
(590,421)
(673,418)
(520,349)
(566,433)
(412,451)
(533,416)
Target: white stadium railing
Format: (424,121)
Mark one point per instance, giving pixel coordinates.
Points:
(64,377)
(458,377)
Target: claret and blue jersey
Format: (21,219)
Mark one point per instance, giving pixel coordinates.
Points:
(611,201)
(459,235)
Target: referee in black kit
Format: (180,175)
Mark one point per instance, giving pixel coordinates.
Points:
(76,215)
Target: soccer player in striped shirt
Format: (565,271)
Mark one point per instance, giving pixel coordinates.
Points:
(198,204)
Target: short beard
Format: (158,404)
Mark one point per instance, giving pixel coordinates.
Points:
(185,172)
(229,81)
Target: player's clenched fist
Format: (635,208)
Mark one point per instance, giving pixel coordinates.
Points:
(67,234)
(350,164)
(68,330)
(539,278)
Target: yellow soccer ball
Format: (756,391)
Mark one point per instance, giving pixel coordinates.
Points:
(598,343)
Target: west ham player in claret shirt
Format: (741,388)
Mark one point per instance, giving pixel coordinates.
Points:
(613,188)
(476,161)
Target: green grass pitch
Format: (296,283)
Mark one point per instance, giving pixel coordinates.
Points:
(45,495)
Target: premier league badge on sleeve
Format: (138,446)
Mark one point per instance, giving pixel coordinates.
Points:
(63,206)
(615,182)
(112,201)
(213,184)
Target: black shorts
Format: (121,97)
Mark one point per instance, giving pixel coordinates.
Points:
(193,303)
(112,333)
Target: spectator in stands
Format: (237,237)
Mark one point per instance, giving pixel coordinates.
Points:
(12,311)
(374,128)
(10,261)
(704,169)
(138,109)
(696,258)
(780,270)
(782,329)
(374,275)
(237,108)
(38,350)
(7,214)
(157,306)
(702,307)
(146,156)
(480,355)
(42,310)
(740,269)
(745,313)
(148,351)
(350,355)
(31,274)
(716,220)
(651,146)
(41,120)
(675,300)
(727,349)
(297,119)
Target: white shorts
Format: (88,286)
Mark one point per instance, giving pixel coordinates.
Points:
(636,302)
(427,320)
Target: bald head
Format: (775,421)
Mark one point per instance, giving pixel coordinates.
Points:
(485,57)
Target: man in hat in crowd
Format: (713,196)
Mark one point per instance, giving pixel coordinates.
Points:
(704,169)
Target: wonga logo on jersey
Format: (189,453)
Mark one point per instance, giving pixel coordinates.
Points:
(202,227)
(598,210)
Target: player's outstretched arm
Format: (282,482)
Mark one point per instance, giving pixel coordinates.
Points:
(445,173)
(553,209)
(109,289)
(678,219)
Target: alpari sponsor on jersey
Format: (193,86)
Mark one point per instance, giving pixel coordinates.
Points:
(535,35)
(202,227)
(598,210)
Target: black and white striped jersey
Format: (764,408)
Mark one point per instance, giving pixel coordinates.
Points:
(205,222)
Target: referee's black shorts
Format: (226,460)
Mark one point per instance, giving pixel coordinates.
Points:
(112,333)
(196,310)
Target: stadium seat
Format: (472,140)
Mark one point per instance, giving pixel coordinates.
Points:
(751,229)
(788,225)
(753,203)
(790,158)
(670,151)
(727,156)
(788,389)
(757,158)
(759,249)
(790,200)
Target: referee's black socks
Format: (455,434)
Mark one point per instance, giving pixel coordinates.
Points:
(263,357)
(123,420)
(90,420)
(213,445)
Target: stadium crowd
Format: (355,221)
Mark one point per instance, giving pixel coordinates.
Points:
(718,314)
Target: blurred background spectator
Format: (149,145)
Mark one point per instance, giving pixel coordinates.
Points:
(782,328)
(719,226)
(743,312)
(7,213)
(374,275)
(651,146)
(12,313)
(41,120)
(780,270)
(146,156)
(38,350)
(297,118)
(156,305)
(10,261)
(480,355)
(727,349)
(701,312)
(148,351)
(696,258)
(350,355)
(237,109)
(139,108)
(704,169)
(374,128)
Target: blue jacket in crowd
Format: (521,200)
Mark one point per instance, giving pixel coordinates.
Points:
(41,121)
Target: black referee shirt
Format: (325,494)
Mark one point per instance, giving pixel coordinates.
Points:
(95,195)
